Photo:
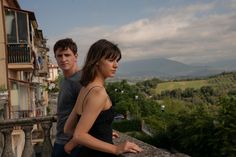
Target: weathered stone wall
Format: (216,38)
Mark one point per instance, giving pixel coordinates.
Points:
(149,150)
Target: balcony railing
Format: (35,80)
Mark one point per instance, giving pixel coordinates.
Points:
(44,149)
(21,114)
(18,53)
(26,124)
(43,136)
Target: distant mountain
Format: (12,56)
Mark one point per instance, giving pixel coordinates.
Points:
(162,68)
(226,65)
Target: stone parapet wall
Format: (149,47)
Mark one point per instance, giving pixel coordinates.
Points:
(149,150)
(26,125)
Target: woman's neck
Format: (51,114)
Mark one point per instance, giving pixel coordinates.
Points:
(99,78)
(98,81)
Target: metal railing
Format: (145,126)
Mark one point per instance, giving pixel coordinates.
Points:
(21,114)
(18,53)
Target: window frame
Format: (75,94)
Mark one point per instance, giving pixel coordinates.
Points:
(17,27)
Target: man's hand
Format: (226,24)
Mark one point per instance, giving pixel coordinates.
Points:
(67,148)
(115,135)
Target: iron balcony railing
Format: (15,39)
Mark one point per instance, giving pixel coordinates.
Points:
(18,53)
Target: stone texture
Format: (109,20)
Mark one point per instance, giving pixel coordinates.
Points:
(149,150)
(28,148)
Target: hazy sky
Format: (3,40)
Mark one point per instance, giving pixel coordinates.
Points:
(190,31)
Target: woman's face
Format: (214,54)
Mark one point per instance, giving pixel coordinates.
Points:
(107,67)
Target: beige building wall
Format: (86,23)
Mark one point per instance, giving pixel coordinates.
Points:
(3,68)
(26,93)
(53,72)
(17,136)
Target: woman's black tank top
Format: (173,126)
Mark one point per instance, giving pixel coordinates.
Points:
(101,130)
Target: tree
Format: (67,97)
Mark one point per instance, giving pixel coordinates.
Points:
(188,92)
(123,106)
(226,128)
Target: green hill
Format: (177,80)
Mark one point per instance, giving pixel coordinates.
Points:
(221,81)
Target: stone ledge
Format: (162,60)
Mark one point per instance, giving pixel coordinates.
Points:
(149,150)
(26,121)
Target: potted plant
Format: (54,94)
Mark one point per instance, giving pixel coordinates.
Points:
(3,90)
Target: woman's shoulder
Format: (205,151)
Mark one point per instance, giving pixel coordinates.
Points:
(96,97)
(97,91)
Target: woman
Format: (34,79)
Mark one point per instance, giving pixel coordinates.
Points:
(93,133)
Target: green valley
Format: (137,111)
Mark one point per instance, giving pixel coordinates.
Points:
(196,117)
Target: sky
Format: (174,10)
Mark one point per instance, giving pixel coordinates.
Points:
(188,31)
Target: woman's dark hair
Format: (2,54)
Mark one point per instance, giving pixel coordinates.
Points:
(100,49)
(64,44)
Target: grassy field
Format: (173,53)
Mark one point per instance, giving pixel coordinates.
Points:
(219,81)
(196,84)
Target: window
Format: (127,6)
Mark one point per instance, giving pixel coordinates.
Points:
(10,26)
(22,27)
(16,26)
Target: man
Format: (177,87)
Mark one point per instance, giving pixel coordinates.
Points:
(65,51)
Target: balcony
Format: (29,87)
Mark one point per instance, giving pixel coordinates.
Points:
(43,145)
(38,141)
(34,138)
(21,113)
(19,57)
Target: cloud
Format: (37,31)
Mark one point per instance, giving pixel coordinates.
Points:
(84,37)
(146,30)
(191,34)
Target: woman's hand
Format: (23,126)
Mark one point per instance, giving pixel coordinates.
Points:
(128,147)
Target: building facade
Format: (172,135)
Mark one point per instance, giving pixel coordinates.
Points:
(23,61)
(24,67)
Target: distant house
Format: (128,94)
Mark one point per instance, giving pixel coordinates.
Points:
(23,61)
(53,72)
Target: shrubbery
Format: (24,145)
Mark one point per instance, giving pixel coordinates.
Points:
(201,123)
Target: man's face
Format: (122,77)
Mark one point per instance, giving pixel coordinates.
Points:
(66,59)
